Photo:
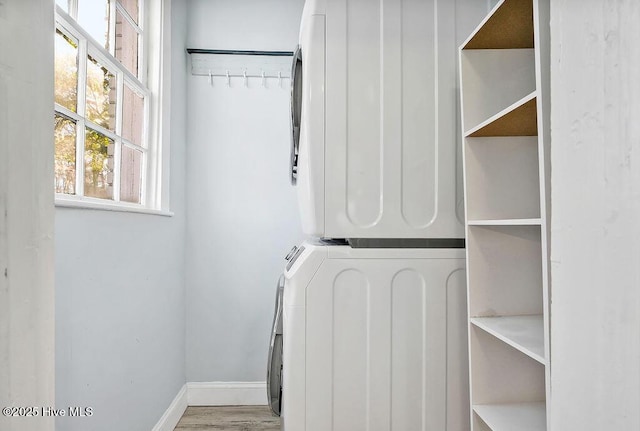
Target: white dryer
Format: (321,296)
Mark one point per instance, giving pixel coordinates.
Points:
(374,114)
(375,339)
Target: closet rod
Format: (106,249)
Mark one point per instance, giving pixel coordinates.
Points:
(238,52)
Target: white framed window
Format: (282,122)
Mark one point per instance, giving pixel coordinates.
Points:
(106,151)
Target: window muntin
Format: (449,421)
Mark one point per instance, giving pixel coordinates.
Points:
(101,134)
(63,4)
(132,8)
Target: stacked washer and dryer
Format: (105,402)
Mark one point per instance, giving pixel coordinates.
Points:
(370,330)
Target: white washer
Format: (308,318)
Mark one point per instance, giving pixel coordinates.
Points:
(375,339)
(375,148)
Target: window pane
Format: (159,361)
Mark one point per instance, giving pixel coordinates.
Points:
(126,44)
(101,95)
(64,4)
(132,116)
(131,6)
(131,175)
(65,155)
(66,71)
(93,16)
(98,165)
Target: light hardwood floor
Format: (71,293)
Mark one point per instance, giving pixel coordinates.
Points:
(234,418)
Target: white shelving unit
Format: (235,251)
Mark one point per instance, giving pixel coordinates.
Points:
(505,122)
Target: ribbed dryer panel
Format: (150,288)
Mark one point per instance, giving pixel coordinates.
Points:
(390,166)
(385,346)
(388,131)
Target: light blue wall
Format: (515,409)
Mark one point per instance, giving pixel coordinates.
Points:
(120,322)
(242,213)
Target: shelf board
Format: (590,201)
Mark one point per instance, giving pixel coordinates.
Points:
(519,119)
(509,25)
(513,417)
(506,222)
(524,333)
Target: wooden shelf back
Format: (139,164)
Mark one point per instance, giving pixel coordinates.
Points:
(522,121)
(509,27)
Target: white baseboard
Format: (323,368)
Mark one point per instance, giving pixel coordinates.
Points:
(227,393)
(172,416)
(212,394)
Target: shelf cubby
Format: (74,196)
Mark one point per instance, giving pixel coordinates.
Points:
(479,424)
(519,119)
(512,417)
(501,176)
(493,80)
(504,267)
(501,374)
(509,25)
(524,333)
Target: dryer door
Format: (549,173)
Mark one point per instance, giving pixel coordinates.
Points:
(274,363)
(296,111)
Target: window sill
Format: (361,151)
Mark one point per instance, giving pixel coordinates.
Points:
(65,201)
